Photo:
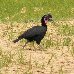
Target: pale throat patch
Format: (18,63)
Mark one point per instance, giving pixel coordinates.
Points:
(46,21)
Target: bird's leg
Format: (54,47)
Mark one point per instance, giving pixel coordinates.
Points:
(25,44)
(34,46)
(41,47)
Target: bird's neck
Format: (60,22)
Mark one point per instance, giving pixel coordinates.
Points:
(44,24)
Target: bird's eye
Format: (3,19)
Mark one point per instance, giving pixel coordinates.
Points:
(45,19)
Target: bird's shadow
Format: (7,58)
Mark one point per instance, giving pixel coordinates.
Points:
(33,48)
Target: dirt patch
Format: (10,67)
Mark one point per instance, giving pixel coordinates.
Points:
(51,60)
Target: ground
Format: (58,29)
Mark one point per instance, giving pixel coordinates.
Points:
(56,56)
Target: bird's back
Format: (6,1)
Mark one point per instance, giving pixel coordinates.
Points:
(34,33)
(36,30)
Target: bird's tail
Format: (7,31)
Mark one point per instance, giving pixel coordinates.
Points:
(16,40)
(19,38)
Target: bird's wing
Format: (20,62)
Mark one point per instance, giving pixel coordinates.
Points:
(34,31)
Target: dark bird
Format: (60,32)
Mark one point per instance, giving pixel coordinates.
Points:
(36,33)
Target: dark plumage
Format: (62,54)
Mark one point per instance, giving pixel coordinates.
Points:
(36,33)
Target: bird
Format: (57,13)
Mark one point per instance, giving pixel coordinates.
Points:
(36,33)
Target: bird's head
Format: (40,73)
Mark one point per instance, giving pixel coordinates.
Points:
(46,18)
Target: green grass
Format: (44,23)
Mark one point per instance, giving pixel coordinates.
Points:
(21,58)
(5,58)
(10,10)
(66,30)
(67,41)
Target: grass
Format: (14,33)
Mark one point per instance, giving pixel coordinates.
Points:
(5,58)
(61,71)
(23,10)
(66,41)
(20,15)
(20,57)
(66,30)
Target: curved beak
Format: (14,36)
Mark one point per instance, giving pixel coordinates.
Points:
(50,19)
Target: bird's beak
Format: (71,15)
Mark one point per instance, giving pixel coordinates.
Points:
(50,19)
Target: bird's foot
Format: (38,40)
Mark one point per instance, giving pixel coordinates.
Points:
(23,46)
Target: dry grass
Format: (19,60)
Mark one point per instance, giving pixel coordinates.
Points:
(57,57)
